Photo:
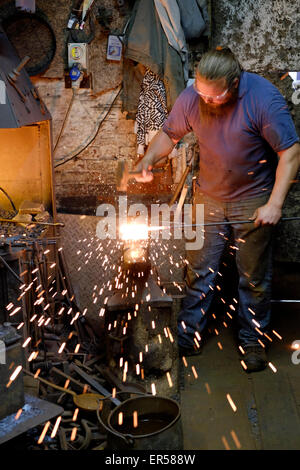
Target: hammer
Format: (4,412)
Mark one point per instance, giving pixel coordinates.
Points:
(124,175)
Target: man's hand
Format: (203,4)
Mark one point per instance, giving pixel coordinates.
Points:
(160,146)
(144,167)
(268,214)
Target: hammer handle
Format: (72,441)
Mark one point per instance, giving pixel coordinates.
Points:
(154,170)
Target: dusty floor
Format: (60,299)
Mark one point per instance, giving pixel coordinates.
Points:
(267,403)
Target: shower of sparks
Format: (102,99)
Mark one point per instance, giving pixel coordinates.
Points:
(235,439)
(73,434)
(194,372)
(272,367)
(277,334)
(231,402)
(67,383)
(226,445)
(18,414)
(44,432)
(61,348)
(26,342)
(169,379)
(14,375)
(56,426)
(135,419)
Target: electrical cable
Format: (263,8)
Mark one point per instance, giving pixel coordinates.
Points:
(10,200)
(94,134)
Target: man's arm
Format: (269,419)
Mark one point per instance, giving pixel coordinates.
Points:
(160,146)
(288,165)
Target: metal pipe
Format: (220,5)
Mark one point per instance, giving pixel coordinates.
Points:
(52,224)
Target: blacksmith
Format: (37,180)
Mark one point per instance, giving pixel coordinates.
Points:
(249,155)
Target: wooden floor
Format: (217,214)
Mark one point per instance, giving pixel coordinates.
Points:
(267,415)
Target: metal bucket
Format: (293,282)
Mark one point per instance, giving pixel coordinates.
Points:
(159,425)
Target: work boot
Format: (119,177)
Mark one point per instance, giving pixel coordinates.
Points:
(255,358)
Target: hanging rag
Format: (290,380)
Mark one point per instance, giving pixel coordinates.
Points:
(169,16)
(152,109)
(147,44)
(194,18)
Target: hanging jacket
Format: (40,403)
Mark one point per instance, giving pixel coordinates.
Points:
(146,43)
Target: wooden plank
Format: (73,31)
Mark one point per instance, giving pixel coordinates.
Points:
(277,411)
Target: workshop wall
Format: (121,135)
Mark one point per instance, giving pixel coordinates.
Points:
(262,33)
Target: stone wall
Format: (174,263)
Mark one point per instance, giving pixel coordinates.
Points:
(263,33)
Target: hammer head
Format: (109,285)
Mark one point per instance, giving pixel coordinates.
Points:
(122,176)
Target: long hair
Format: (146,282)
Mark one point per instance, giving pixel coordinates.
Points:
(219,63)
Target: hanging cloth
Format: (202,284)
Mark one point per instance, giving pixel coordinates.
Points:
(152,109)
(169,16)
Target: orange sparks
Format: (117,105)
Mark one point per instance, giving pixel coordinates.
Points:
(15,374)
(231,402)
(37,373)
(244,365)
(75,415)
(169,379)
(26,342)
(226,445)
(77,348)
(268,337)
(220,345)
(207,388)
(61,348)
(153,389)
(67,383)
(194,372)
(272,367)
(120,418)
(73,434)
(276,334)
(56,426)
(19,412)
(44,432)
(235,439)
(135,419)
(184,361)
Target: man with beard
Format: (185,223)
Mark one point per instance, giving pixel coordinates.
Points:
(249,155)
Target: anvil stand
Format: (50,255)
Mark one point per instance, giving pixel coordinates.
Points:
(149,303)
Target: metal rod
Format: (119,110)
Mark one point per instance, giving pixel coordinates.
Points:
(229,222)
(11,270)
(54,224)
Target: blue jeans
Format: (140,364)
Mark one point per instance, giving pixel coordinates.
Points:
(254,265)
